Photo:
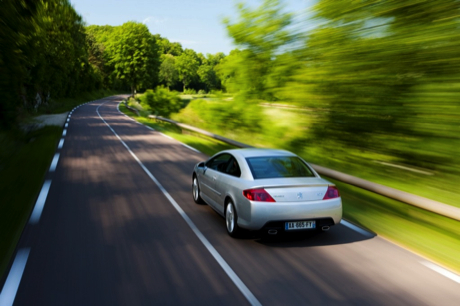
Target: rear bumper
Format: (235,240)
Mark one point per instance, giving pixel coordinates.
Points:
(268,214)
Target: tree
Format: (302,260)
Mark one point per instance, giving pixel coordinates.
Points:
(261,33)
(17,23)
(43,53)
(370,67)
(168,73)
(208,73)
(167,47)
(134,55)
(187,66)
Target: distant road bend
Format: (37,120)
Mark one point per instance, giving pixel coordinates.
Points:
(119,227)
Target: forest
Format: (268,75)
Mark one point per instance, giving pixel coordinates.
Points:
(48,53)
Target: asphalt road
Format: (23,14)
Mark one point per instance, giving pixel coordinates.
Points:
(108,235)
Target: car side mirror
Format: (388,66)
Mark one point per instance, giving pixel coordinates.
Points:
(202,165)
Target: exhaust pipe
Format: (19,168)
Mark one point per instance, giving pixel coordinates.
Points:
(272,232)
(325,228)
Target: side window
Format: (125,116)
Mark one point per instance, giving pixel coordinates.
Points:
(233,168)
(219,163)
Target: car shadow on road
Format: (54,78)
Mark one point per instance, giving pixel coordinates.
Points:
(339,234)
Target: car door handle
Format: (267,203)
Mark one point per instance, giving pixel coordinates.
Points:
(214,177)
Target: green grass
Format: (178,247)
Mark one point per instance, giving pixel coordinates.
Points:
(426,233)
(25,158)
(202,143)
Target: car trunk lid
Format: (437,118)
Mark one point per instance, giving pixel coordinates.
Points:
(297,190)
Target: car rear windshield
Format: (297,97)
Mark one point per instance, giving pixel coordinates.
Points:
(278,166)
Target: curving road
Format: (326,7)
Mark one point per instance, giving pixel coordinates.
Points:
(119,227)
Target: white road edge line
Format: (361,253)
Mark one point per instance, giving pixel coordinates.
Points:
(167,136)
(442,271)
(38,208)
(13,280)
(356,228)
(191,148)
(220,260)
(61,143)
(64,132)
(54,162)
(150,128)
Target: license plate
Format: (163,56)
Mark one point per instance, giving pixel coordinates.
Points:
(299,225)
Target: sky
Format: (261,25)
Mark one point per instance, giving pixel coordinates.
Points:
(196,24)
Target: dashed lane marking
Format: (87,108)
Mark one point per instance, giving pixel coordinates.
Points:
(54,162)
(14,278)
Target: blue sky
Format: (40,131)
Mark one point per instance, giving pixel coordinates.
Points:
(196,24)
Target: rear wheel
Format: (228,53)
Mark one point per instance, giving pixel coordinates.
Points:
(231,220)
(196,191)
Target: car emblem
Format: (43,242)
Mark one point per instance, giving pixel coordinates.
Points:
(299,195)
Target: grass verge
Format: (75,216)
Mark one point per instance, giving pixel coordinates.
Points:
(430,235)
(25,160)
(202,143)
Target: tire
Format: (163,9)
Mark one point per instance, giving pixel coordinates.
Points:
(231,220)
(196,191)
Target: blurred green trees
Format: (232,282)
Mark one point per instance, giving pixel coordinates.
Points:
(262,34)
(371,75)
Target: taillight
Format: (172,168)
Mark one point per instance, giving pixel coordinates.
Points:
(259,195)
(331,193)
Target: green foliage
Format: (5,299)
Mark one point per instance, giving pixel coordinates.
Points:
(161,101)
(236,115)
(365,67)
(189,91)
(375,77)
(187,67)
(43,55)
(48,54)
(208,77)
(261,33)
(133,54)
(168,73)
(97,37)
(181,69)
(167,47)
(17,23)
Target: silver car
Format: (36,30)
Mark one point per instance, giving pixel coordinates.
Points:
(270,190)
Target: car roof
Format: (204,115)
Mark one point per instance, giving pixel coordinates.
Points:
(255,152)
